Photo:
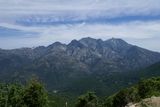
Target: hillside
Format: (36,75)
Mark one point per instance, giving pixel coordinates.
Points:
(81,65)
(136,95)
(145,93)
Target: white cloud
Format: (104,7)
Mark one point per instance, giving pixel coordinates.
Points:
(65,33)
(84,8)
(12,11)
(77,4)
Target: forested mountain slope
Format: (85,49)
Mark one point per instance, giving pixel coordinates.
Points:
(81,65)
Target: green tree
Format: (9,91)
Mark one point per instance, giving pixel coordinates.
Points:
(144,89)
(11,95)
(150,87)
(87,100)
(35,95)
(15,93)
(3,95)
(108,102)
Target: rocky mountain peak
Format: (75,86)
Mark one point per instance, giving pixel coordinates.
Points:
(57,46)
(117,44)
(89,40)
(76,44)
(117,41)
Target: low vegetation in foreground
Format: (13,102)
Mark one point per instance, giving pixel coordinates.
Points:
(33,94)
(16,95)
(144,89)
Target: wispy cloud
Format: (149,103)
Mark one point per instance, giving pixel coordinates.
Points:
(80,9)
(46,21)
(65,33)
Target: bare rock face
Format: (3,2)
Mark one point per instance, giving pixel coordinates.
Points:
(149,102)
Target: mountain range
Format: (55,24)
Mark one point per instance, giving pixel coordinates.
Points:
(81,65)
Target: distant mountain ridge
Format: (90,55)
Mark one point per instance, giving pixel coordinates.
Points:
(113,52)
(61,64)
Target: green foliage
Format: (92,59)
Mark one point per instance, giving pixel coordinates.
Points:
(149,88)
(11,95)
(144,89)
(125,96)
(60,100)
(14,95)
(108,102)
(122,98)
(103,84)
(87,100)
(35,95)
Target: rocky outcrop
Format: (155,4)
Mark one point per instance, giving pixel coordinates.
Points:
(149,102)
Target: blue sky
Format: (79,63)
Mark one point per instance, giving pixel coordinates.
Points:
(30,23)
